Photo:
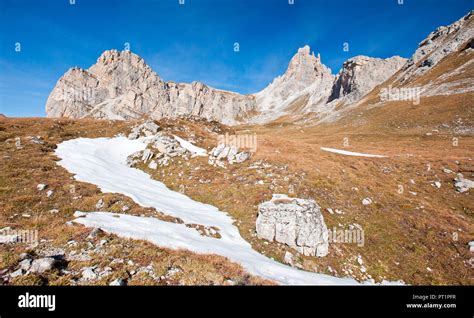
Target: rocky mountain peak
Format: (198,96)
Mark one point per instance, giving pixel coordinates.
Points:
(114,57)
(122,66)
(122,86)
(306,78)
(305,67)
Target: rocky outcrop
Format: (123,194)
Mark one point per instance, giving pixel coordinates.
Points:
(147,129)
(440,43)
(122,86)
(361,74)
(201,100)
(295,222)
(231,154)
(161,147)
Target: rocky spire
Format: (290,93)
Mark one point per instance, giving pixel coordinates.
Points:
(305,68)
(306,77)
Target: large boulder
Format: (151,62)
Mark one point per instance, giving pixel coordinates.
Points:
(295,222)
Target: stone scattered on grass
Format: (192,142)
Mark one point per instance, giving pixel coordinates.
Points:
(88,273)
(42,265)
(462,184)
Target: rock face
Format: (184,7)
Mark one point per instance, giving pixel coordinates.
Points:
(119,86)
(201,100)
(359,75)
(122,86)
(295,222)
(440,43)
(306,79)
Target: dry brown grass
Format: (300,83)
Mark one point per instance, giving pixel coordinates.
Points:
(404,234)
(21,170)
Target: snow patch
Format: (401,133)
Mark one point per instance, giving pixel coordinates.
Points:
(350,153)
(190,147)
(102,162)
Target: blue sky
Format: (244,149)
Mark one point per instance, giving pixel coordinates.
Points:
(195,41)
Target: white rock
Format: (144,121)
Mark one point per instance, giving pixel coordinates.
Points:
(88,273)
(223,153)
(25,264)
(100,204)
(160,146)
(18,272)
(295,222)
(42,265)
(217,150)
(153,165)
(41,186)
(232,152)
(367,201)
(359,260)
(147,155)
(462,184)
(241,157)
(288,259)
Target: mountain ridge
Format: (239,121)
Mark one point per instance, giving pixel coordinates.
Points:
(122,86)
